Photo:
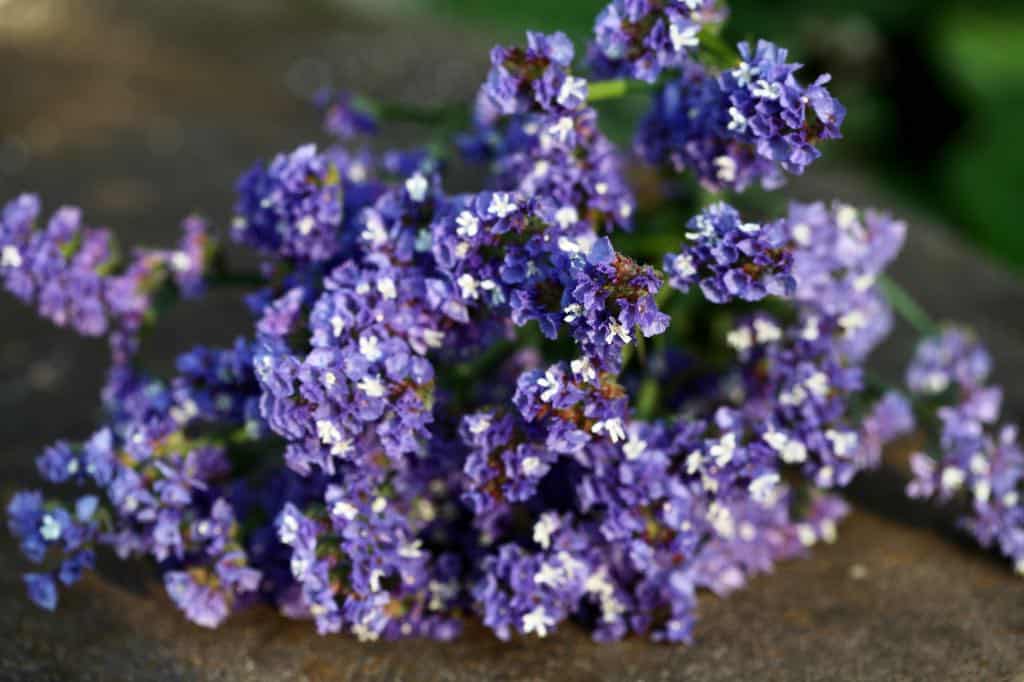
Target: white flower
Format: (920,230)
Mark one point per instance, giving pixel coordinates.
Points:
(549,575)
(843,442)
(502,205)
(572,311)
(766,331)
(952,478)
(10,257)
(305,225)
(852,321)
(724,449)
(49,528)
(417,187)
(537,621)
(763,488)
(411,550)
(549,382)
(468,225)
(369,347)
(327,431)
(582,368)
(562,128)
(766,90)
(616,329)
(847,218)
(610,427)
(634,447)
(721,520)
(683,265)
(546,526)
(478,423)
(567,216)
(726,166)
(373,228)
(744,74)
(683,38)
(344,509)
(468,285)
(801,233)
(572,88)
(531,465)
(811,330)
(433,338)
(386,287)
(817,384)
(371,386)
(738,122)
(337,325)
(740,338)
(181,261)
(805,533)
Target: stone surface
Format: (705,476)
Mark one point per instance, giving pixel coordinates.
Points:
(141,113)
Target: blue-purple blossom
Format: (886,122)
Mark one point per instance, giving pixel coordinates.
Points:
(977,457)
(732,259)
(641,39)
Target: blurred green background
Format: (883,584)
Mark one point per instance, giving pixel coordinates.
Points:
(935,91)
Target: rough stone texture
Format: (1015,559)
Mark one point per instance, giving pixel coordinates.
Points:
(141,113)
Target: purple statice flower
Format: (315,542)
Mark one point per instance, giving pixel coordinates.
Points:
(641,39)
(952,360)
(565,157)
(73,276)
(365,382)
(513,257)
(530,592)
(687,130)
(751,123)
(839,253)
(977,458)
(732,259)
(292,206)
(535,77)
(189,263)
(42,590)
(533,127)
(344,118)
(795,394)
(771,110)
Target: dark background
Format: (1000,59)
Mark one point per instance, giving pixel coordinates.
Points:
(143,110)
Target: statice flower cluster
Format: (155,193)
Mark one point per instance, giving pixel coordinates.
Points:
(975,456)
(476,405)
(643,39)
(729,258)
(75,277)
(751,122)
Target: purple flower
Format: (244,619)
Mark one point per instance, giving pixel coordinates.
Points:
(642,39)
(42,590)
(729,258)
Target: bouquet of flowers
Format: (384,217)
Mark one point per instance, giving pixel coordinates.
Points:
(510,403)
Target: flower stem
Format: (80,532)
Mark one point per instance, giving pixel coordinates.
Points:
(604,90)
(905,305)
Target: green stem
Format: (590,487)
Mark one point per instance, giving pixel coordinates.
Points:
(604,90)
(905,305)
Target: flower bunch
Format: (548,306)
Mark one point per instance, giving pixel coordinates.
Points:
(491,404)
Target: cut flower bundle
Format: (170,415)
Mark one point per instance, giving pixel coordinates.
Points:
(505,404)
